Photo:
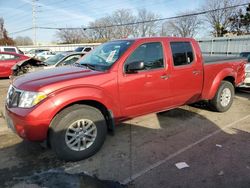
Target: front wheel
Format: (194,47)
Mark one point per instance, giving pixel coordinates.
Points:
(77,132)
(223,98)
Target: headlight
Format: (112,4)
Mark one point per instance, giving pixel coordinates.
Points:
(29,99)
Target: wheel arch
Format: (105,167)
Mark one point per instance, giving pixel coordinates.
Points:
(108,114)
(225,75)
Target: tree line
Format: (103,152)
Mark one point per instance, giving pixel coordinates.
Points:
(232,21)
(6,40)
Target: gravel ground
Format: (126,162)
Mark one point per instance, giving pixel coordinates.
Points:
(143,152)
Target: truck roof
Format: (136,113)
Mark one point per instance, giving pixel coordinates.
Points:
(153,38)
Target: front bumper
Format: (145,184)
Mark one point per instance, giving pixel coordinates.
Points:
(30,123)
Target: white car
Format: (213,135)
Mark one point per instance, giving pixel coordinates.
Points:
(10,49)
(246,83)
(34,52)
(44,55)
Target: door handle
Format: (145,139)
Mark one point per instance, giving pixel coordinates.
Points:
(165,77)
(195,72)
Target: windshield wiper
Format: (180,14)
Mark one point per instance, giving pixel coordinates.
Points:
(88,65)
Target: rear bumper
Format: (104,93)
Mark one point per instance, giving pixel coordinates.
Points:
(31,124)
(246,83)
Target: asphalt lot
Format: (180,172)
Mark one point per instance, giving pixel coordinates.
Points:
(143,152)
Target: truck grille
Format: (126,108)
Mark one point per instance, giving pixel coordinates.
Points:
(248,75)
(13,97)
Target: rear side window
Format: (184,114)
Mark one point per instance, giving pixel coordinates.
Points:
(4,57)
(182,53)
(9,49)
(87,49)
(79,49)
(149,53)
(70,60)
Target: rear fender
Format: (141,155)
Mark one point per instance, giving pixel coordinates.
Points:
(214,85)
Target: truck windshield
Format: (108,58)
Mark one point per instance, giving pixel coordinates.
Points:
(105,55)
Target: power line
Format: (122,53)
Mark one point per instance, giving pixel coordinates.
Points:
(138,22)
(147,21)
(14,16)
(21,31)
(98,14)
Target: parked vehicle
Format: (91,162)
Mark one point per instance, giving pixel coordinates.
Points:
(44,55)
(246,83)
(246,55)
(65,58)
(7,60)
(12,49)
(34,52)
(33,64)
(74,106)
(83,49)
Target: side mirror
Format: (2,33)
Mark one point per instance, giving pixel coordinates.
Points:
(135,66)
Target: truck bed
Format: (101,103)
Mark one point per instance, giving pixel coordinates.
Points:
(221,59)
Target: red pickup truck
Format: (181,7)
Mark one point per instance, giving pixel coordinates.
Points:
(73,106)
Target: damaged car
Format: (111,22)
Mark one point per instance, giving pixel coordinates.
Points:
(33,64)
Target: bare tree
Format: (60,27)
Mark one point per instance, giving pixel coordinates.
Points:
(183,27)
(240,22)
(219,20)
(99,30)
(23,41)
(4,38)
(1,28)
(113,26)
(146,28)
(70,36)
(122,17)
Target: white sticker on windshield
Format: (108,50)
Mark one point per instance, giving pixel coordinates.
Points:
(110,57)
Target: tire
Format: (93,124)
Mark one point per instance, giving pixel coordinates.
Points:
(77,125)
(223,98)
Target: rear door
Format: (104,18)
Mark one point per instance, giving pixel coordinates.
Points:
(146,90)
(186,79)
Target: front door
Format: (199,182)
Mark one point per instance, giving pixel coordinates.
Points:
(146,90)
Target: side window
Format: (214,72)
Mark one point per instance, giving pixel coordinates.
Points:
(87,49)
(9,49)
(4,57)
(182,53)
(149,53)
(70,60)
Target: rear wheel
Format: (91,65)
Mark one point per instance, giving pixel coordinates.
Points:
(77,132)
(223,98)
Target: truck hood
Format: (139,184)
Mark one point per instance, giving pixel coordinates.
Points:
(53,79)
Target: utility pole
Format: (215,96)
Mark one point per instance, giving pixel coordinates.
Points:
(34,20)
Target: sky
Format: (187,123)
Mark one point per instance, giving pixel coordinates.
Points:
(17,14)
